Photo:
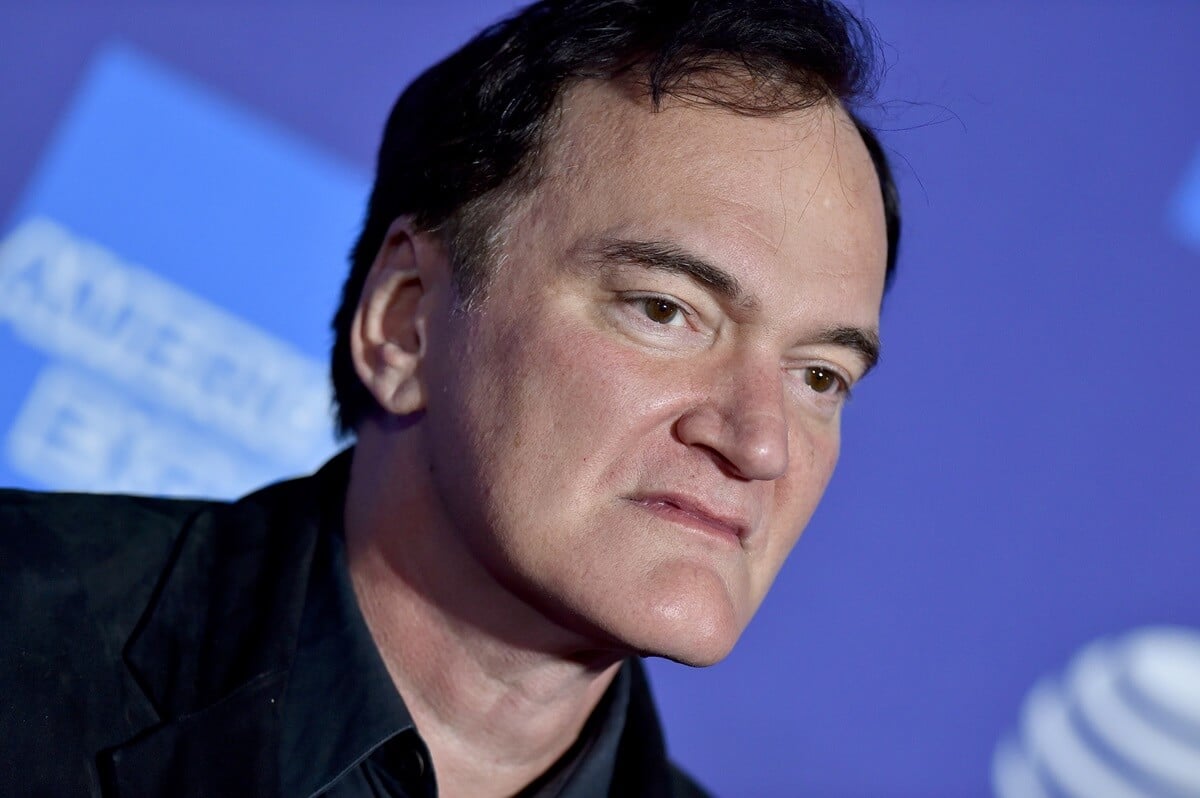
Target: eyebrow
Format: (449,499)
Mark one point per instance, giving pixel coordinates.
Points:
(864,342)
(664,257)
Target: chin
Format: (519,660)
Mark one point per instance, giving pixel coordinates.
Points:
(697,651)
(696,630)
(693,659)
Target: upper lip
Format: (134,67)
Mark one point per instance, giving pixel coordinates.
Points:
(734,521)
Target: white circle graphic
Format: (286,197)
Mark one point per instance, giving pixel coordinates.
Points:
(1123,721)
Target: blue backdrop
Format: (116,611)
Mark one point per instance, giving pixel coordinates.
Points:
(1019,478)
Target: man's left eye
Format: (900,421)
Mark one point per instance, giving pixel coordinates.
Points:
(661,311)
(822,380)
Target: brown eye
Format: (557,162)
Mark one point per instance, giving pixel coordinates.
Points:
(660,311)
(821,380)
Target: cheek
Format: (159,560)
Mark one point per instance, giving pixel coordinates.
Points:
(814,454)
(558,409)
(816,443)
(560,381)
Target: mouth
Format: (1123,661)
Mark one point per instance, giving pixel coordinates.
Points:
(690,512)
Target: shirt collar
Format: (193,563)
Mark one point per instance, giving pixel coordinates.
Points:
(340,704)
(586,769)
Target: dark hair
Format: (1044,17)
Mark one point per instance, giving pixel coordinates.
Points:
(465,138)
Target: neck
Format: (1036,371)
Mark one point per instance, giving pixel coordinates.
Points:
(498,691)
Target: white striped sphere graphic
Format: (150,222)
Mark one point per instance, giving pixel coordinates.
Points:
(1122,722)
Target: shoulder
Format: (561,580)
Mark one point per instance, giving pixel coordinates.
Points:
(52,542)
(76,574)
(77,566)
(36,525)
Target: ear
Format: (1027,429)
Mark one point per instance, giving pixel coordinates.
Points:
(389,336)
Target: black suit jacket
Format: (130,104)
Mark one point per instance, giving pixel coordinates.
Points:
(146,645)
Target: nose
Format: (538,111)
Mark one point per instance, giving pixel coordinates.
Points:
(742,422)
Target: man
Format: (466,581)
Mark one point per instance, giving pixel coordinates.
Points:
(622,265)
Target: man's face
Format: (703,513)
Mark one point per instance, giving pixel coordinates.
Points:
(632,429)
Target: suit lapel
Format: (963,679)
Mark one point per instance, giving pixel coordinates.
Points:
(229,748)
(213,649)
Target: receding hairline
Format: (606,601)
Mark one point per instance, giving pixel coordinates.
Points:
(479,253)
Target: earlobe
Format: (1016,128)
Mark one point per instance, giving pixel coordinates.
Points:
(389,336)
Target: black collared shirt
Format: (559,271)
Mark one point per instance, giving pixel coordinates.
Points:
(222,652)
(346,732)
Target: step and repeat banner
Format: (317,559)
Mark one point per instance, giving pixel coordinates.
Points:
(1000,595)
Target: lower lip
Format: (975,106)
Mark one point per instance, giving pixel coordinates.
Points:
(700,523)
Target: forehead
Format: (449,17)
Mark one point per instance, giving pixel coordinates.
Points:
(798,186)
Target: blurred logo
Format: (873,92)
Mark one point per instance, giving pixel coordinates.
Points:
(164,290)
(163,360)
(1122,722)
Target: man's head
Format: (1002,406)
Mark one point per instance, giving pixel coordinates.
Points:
(612,375)
(465,139)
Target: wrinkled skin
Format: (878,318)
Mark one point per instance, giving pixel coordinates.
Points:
(629,450)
